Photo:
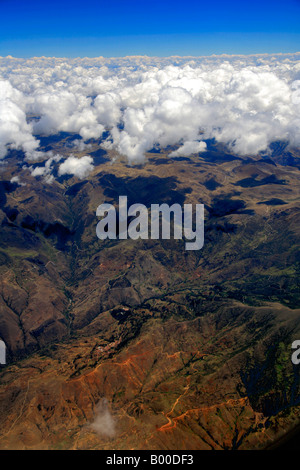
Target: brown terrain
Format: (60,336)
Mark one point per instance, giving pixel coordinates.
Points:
(170,349)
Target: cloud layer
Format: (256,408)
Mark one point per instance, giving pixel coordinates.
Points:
(246,102)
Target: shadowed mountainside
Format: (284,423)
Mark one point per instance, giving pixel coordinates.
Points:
(191,349)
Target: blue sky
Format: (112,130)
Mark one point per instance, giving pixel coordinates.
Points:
(93,28)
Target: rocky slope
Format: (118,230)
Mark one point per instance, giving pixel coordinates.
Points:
(175,349)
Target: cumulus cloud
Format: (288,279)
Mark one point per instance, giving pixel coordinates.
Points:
(188,148)
(104,423)
(80,167)
(79,145)
(15,132)
(46,169)
(246,102)
(16,179)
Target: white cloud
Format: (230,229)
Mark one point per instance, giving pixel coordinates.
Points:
(104,424)
(46,170)
(16,179)
(79,145)
(188,148)
(15,133)
(80,167)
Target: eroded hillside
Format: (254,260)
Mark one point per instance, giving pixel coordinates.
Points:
(191,350)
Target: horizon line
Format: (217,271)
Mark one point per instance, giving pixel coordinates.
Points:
(138,56)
